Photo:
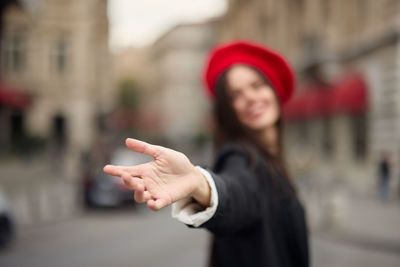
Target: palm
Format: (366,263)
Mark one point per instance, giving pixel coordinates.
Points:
(168,176)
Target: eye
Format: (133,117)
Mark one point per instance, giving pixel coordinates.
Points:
(234,95)
(258,84)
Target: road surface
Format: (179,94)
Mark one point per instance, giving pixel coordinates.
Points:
(142,238)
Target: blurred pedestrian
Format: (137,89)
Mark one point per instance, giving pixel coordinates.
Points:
(384,177)
(398,188)
(247,200)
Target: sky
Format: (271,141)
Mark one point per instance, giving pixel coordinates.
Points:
(141,22)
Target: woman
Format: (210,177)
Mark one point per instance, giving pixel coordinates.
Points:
(247,200)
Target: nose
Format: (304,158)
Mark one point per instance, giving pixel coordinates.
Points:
(250,95)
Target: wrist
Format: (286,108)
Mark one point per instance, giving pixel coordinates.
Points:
(202,190)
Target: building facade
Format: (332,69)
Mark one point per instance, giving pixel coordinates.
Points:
(326,40)
(55,81)
(178,58)
(57,52)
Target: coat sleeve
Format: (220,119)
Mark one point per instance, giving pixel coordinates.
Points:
(240,201)
(190,212)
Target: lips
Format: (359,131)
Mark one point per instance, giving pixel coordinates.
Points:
(256,111)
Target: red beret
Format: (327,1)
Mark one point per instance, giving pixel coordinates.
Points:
(269,62)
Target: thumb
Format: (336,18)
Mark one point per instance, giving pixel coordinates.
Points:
(143,147)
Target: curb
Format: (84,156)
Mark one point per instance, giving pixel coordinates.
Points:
(364,241)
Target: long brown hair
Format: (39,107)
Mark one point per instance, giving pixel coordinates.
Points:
(229,129)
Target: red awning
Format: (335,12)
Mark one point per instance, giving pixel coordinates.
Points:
(13,98)
(349,95)
(311,101)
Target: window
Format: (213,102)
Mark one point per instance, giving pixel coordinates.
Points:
(304,132)
(14,53)
(327,137)
(17,131)
(359,134)
(60,56)
(326,10)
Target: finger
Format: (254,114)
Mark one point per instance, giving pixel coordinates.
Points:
(143,147)
(137,185)
(146,196)
(118,170)
(141,195)
(157,204)
(113,170)
(132,183)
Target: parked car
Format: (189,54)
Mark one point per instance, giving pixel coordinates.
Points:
(103,190)
(7,226)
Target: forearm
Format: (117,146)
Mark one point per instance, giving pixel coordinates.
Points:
(239,203)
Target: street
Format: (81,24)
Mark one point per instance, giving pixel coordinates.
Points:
(128,237)
(110,238)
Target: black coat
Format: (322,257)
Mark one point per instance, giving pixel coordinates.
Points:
(258,221)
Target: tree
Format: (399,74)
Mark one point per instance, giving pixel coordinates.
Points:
(128,94)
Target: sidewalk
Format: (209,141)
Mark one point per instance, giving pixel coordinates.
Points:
(369,223)
(37,193)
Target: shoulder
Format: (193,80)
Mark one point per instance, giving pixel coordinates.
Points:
(231,155)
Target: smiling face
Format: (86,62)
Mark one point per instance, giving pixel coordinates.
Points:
(253,99)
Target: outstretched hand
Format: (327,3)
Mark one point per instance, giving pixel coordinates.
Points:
(163,181)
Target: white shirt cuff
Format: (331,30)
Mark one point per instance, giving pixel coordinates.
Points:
(190,212)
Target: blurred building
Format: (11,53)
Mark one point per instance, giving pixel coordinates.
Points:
(133,66)
(55,83)
(178,59)
(133,63)
(57,53)
(346,53)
